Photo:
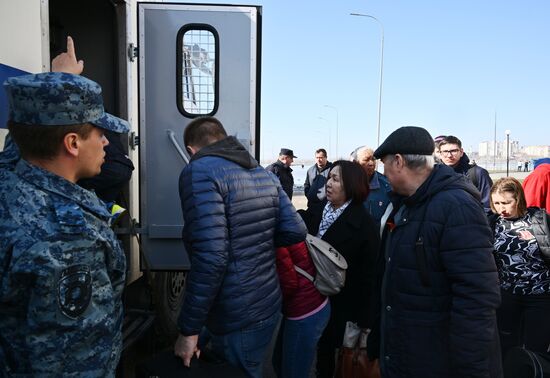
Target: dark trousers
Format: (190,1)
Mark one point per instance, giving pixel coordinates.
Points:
(330,340)
(523,320)
(326,353)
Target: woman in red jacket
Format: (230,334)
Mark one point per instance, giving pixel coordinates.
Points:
(306,314)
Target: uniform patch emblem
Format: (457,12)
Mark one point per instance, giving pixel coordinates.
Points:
(74,290)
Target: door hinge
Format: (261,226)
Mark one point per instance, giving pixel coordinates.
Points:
(133,140)
(132,52)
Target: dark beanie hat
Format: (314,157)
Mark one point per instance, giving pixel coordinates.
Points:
(411,140)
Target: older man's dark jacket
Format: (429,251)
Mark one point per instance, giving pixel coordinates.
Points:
(440,287)
(235,215)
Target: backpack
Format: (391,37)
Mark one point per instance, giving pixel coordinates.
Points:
(330,266)
(471,173)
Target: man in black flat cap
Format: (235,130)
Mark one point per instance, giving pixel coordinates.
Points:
(438,285)
(281,169)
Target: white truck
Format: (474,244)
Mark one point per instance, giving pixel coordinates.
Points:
(160,65)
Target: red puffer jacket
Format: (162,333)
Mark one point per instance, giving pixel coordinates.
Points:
(299,294)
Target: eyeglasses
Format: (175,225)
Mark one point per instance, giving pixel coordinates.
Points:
(449,152)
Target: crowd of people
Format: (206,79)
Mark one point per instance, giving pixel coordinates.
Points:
(463,275)
(447,272)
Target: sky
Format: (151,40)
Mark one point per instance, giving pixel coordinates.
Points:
(452,67)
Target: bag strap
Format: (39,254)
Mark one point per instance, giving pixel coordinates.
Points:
(304,273)
(537,367)
(385,218)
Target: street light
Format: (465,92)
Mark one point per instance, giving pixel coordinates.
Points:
(336,110)
(328,124)
(381,69)
(507,132)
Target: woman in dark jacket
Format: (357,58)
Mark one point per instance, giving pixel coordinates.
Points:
(522,253)
(347,226)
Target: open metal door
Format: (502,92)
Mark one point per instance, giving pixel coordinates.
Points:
(194,60)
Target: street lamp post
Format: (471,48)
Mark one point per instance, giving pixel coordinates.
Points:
(507,152)
(329,132)
(381,69)
(336,110)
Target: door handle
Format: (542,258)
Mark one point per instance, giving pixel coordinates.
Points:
(183,155)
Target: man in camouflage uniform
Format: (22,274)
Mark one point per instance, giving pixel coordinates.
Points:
(61,266)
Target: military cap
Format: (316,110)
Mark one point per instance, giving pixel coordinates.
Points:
(407,140)
(287,152)
(58,98)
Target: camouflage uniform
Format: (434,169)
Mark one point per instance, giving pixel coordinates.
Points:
(10,155)
(62,270)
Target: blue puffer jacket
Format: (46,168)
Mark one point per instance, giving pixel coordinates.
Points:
(444,325)
(235,214)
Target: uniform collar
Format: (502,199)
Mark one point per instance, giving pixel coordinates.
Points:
(50,182)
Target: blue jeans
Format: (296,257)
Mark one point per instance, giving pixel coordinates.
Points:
(247,347)
(297,344)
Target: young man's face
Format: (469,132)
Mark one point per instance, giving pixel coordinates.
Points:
(92,154)
(450,154)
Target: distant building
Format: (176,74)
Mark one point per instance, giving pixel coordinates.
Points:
(487,149)
(536,151)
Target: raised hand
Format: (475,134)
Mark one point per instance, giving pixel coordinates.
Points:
(66,62)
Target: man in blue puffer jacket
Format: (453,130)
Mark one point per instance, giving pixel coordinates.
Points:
(440,289)
(235,214)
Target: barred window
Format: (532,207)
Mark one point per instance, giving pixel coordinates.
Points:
(197,76)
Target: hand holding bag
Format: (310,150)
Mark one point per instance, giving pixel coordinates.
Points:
(353,361)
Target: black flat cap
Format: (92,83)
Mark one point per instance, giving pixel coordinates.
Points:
(411,140)
(287,152)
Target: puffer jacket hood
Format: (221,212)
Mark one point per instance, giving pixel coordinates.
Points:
(230,149)
(441,179)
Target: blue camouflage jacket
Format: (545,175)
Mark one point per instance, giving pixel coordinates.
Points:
(62,274)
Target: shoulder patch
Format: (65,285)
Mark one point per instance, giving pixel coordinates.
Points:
(74,290)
